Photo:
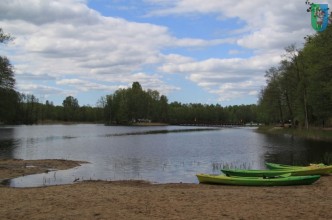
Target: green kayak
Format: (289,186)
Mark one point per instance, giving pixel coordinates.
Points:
(276,166)
(285,180)
(312,170)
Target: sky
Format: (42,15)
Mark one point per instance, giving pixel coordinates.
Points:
(192,51)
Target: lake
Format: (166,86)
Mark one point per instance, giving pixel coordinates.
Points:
(159,154)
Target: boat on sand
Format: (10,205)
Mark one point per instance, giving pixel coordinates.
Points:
(310,170)
(283,180)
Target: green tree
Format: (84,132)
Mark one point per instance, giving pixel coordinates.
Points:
(126,106)
(137,102)
(272,95)
(28,111)
(7,80)
(9,105)
(317,55)
(297,59)
(163,103)
(8,96)
(301,87)
(70,108)
(119,107)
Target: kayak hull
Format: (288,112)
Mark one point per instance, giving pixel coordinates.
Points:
(257,181)
(311,170)
(276,166)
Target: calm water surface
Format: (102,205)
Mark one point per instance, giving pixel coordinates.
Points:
(165,154)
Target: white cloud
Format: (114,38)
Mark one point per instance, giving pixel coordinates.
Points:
(84,85)
(34,89)
(269,27)
(200,43)
(229,79)
(62,38)
(229,66)
(270,23)
(41,12)
(66,42)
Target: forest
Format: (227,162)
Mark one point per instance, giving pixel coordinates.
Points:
(299,89)
(298,92)
(134,104)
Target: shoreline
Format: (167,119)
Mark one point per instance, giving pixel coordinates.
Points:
(144,200)
(318,134)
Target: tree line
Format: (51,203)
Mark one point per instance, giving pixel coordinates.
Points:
(134,104)
(124,107)
(26,109)
(299,89)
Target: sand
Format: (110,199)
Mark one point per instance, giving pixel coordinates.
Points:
(143,200)
(10,168)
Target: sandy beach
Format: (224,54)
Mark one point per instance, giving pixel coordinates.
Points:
(143,200)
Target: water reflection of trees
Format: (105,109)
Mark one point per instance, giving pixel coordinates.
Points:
(297,151)
(7,143)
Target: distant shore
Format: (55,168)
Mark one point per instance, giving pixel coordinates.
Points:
(51,122)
